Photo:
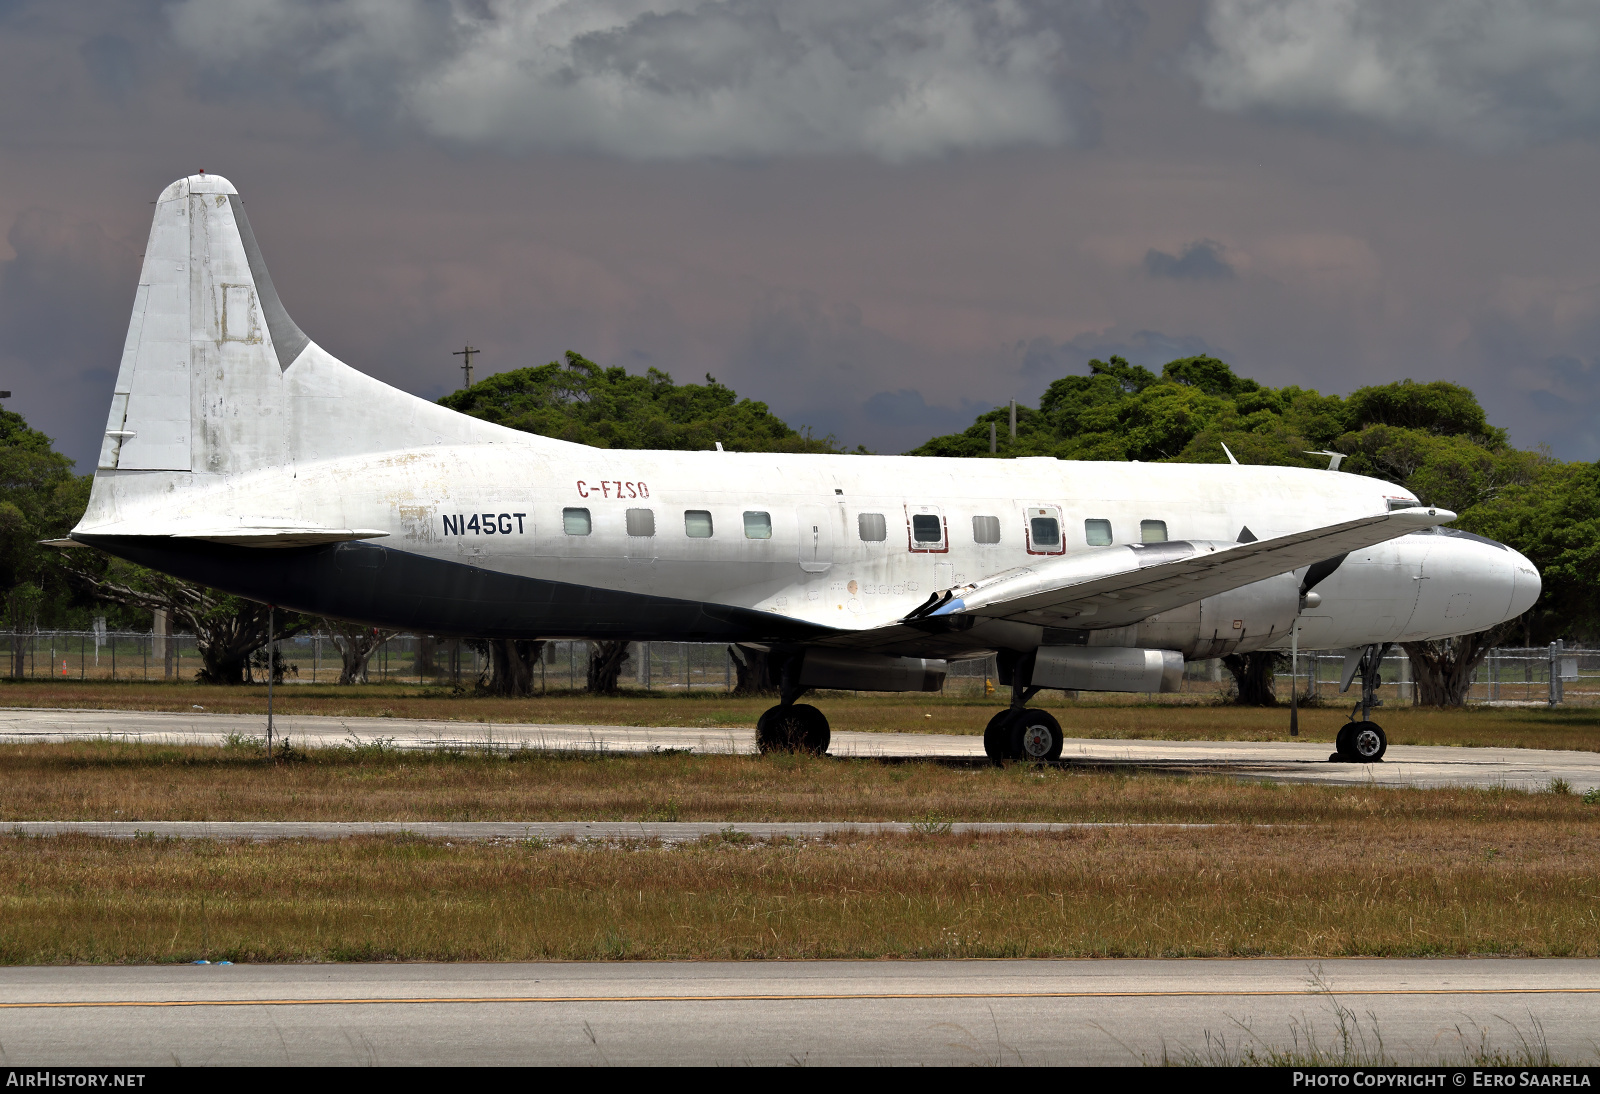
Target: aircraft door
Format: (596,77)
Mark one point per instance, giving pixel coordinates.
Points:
(816,538)
(1042,530)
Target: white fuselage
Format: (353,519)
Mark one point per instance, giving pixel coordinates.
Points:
(521,508)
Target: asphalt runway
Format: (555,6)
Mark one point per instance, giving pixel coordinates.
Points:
(580,831)
(808,1012)
(1287,760)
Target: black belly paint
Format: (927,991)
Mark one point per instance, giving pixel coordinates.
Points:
(391,588)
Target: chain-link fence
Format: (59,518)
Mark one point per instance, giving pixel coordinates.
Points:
(1511,675)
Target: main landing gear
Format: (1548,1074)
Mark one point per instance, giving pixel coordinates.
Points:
(1018,733)
(1364,742)
(792,726)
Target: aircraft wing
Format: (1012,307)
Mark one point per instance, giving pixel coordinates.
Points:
(1122,585)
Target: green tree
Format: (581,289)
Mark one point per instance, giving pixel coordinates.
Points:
(1554,519)
(40,498)
(1186,414)
(228,629)
(578,400)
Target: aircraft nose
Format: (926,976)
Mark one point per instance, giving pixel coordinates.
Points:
(1527,585)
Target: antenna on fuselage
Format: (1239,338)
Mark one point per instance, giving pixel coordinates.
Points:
(1334,458)
(1229,455)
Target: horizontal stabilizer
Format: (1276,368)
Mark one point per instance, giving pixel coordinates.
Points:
(236,535)
(303,535)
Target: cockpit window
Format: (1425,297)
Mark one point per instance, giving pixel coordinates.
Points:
(1402,503)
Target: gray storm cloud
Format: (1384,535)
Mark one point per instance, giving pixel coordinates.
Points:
(674,79)
(1487,74)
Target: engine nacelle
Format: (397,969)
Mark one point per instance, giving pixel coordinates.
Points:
(1107,668)
(820,668)
(1237,621)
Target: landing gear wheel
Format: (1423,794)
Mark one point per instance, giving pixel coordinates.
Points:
(1368,743)
(997,736)
(1361,743)
(799,727)
(1035,736)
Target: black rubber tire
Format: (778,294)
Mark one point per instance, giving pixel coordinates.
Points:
(1342,749)
(1036,737)
(997,737)
(1368,743)
(800,727)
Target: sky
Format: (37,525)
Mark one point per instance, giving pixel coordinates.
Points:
(880,217)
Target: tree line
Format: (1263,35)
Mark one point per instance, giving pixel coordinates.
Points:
(1432,438)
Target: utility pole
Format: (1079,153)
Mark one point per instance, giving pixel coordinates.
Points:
(466,362)
(1013,419)
(272,663)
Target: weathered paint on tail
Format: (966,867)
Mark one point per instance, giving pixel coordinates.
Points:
(217,380)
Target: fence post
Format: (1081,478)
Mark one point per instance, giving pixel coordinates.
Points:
(1555,670)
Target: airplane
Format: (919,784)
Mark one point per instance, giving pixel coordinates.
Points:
(240,454)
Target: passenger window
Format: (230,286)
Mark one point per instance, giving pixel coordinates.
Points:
(575,522)
(926,528)
(986,529)
(697,524)
(1097,532)
(757,526)
(1046,532)
(1152,531)
(872,527)
(641,522)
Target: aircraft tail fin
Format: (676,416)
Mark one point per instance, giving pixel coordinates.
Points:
(200,383)
(217,379)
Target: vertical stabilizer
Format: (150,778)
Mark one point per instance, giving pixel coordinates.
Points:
(217,381)
(200,387)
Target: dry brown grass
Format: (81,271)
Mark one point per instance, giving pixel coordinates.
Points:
(1406,887)
(1113,717)
(103,780)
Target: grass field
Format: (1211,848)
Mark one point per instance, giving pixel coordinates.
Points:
(1293,870)
(1121,717)
(103,780)
(1403,887)
(1334,871)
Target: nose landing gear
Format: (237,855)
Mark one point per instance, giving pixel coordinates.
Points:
(1364,742)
